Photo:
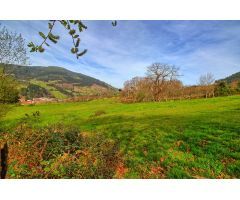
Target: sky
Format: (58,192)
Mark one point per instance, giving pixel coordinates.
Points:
(117,54)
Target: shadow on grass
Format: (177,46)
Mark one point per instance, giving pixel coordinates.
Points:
(193,146)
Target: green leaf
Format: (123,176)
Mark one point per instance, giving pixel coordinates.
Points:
(52,39)
(42,35)
(50,25)
(114,23)
(33,49)
(78,42)
(64,22)
(41,49)
(81,26)
(55,37)
(75,36)
(82,53)
(47,44)
(74,50)
(72,32)
(30,44)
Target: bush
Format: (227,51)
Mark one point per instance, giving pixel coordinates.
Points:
(60,152)
(8,89)
(222,89)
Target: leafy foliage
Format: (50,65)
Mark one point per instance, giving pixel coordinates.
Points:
(74,27)
(222,89)
(60,152)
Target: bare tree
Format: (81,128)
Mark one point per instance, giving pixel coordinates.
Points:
(12,48)
(206,79)
(159,73)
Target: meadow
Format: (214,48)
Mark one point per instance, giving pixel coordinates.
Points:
(197,138)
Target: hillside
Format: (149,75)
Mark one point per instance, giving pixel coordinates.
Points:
(56,82)
(233,77)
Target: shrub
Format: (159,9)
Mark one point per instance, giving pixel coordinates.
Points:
(60,152)
(8,89)
(222,89)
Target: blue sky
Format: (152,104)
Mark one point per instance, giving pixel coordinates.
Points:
(116,54)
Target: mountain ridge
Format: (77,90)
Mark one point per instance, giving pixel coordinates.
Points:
(56,82)
(52,73)
(231,78)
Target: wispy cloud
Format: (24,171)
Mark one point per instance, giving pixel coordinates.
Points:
(116,54)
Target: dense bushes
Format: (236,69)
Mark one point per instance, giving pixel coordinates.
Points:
(60,152)
(222,89)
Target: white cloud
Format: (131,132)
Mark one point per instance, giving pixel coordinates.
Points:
(116,54)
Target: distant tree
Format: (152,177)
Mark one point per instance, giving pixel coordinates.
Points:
(34,91)
(222,89)
(8,89)
(73,27)
(12,51)
(206,79)
(137,89)
(159,73)
(12,48)
(238,87)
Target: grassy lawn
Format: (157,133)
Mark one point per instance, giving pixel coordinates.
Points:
(178,139)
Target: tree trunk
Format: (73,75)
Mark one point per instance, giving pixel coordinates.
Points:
(4,155)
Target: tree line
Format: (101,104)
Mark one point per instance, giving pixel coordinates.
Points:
(161,83)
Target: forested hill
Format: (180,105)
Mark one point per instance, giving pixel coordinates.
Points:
(56,82)
(233,77)
(52,73)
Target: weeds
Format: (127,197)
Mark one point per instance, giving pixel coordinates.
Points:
(61,152)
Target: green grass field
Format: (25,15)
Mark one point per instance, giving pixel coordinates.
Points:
(178,139)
